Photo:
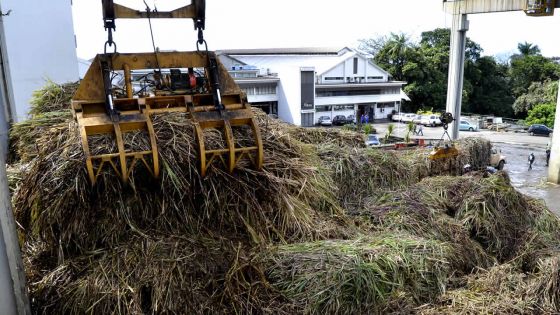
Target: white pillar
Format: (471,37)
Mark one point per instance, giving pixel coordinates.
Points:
(459,30)
(554,165)
(13,291)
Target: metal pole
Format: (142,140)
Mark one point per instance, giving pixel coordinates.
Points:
(13,291)
(554,164)
(459,30)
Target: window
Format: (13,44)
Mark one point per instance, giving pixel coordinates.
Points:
(355,65)
(334,78)
(323,108)
(307,89)
(344,107)
(266,89)
(375,78)
(248,90)
(326,93)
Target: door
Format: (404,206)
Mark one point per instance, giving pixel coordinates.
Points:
(307,119)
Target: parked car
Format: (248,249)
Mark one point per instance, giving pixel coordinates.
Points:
(372,140)
(417,119)
(537,129)
(396,117)
(467,126)
(407,117)
(351,119)
(339,120)
(430,120)
(497,160)
(324,121)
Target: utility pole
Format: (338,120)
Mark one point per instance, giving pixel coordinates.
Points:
(554,164)
(459,29)
(13,289)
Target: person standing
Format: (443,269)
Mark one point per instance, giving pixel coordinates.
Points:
(531,160)
(420,131)
(547,155)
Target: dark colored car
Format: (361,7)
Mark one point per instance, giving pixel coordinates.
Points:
(351,119)
(339,120)
(537,129)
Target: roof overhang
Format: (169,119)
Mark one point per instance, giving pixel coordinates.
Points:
(360,85)
(256,80)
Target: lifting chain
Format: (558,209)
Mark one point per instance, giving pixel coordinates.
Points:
(109,23)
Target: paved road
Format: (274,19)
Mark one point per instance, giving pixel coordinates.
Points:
(494,136)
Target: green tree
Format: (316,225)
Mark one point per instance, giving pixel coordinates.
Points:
(538,93)
(528,49)
(542,114)
(390,53)
(528,69)
(490,89)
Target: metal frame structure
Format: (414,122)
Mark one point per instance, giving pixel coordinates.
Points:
(459,27)
(98,111)
(134,114)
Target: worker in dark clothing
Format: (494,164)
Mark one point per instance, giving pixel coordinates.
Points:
(547,156)
(531,160)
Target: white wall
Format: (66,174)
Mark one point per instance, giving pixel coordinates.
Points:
(39,44)
(289,95)
(262,98)
(346,69)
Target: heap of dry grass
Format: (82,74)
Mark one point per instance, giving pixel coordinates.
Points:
(182,201)
(359,276)
(153,275)
(334,136)
(50,106)
(290,200)
(489,208)
(53,97)
(499,290)
(504,289)
(327,226)
(364,172)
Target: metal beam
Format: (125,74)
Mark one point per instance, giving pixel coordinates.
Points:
(486,6)
(459,29)
(554,165)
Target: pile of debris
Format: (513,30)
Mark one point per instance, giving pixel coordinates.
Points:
(328,226)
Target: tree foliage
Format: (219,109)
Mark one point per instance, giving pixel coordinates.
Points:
(489,87)
(542,114)
(528,49)
(538,93)
(528,69)
(391,53)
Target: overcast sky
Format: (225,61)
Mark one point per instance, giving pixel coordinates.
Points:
(306,23)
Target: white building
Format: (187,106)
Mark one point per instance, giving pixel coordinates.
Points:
(302,84)
(37,44)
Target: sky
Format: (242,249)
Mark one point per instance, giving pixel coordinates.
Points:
(238,24)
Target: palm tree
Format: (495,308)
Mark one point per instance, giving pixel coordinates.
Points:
(393,54)
(528,49)
(397,47)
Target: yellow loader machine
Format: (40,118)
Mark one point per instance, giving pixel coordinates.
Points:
(447,150)
(194,83)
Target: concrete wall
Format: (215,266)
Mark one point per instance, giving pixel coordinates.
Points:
(39,44)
